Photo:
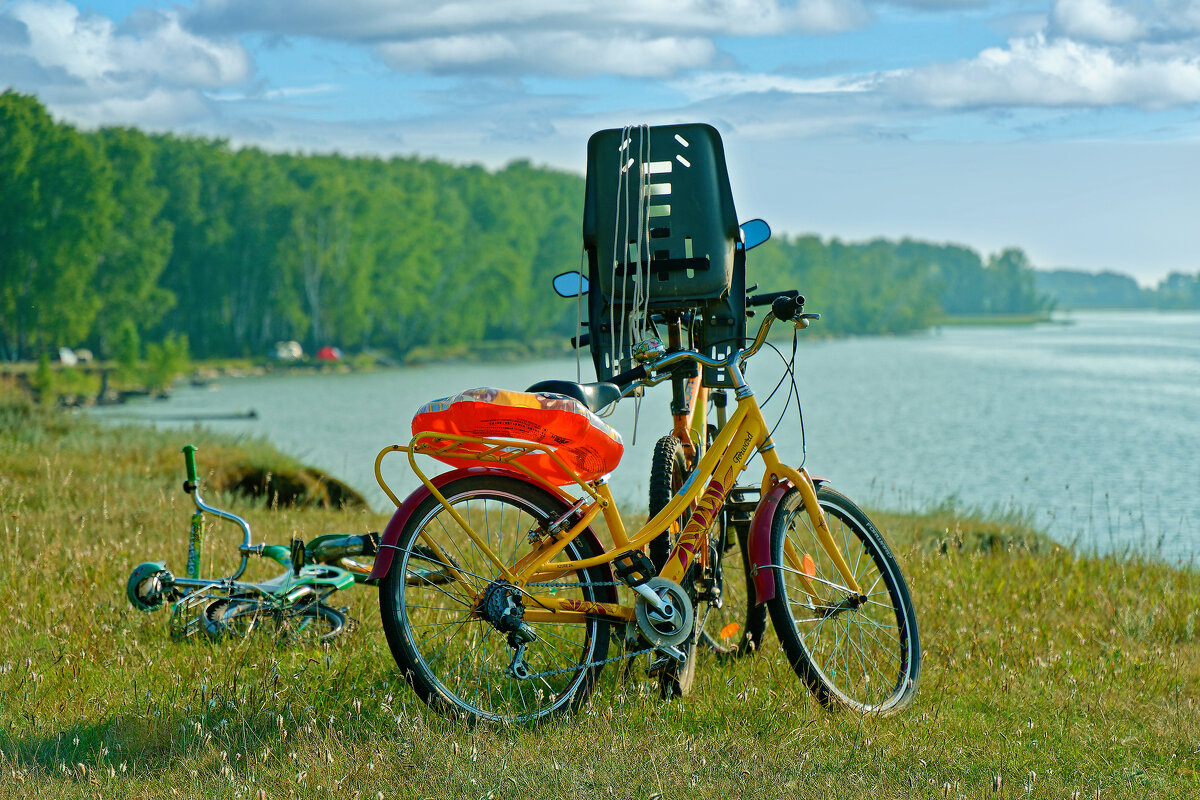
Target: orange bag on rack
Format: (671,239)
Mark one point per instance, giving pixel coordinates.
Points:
(582,440)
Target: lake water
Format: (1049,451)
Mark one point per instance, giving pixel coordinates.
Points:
(1089,424)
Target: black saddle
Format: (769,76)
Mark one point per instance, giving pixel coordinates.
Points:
(594,396)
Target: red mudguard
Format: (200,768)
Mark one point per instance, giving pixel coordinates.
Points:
(395,526)
(759,543)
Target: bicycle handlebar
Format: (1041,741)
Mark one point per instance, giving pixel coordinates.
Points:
(785,306)
(768,298)
(628,377)
(189,462)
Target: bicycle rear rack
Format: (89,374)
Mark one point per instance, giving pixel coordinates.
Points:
(505,453)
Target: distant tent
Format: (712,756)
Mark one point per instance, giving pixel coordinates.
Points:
(328,353)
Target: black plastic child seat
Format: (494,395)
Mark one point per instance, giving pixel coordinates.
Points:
(690,258)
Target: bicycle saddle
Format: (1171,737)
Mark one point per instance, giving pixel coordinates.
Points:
(594,396)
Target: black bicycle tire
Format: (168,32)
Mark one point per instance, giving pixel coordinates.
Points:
(420,676)
(339,622)
(841,509)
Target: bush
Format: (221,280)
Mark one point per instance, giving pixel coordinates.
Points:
(166,361)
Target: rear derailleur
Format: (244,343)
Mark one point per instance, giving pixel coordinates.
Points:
(502,608)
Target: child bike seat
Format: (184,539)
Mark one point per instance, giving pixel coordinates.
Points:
(583,441)
(593,395)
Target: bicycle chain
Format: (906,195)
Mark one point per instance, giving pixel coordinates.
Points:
(577,585)
(590,664)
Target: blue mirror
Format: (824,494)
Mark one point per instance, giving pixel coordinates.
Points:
(570,284)
(754,233)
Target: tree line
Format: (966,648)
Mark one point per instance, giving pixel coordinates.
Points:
(883,286)
(1075,289)
(115,235)
(113,239)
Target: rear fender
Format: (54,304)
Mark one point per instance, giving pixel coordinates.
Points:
(759,544)
(391,534)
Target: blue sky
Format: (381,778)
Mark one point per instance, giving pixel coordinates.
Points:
(1070,128)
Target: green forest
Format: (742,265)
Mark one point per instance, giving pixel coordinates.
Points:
(1075,289)
(117,241)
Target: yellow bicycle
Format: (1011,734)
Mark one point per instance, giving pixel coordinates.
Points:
(499,600)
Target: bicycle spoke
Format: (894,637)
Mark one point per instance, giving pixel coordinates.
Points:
(462,657)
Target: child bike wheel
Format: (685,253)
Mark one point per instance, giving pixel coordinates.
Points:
(313,624)
(302,624)
(738,626)
(861,654)
(233,617)
(444,608)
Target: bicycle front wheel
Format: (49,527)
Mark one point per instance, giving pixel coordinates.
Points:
(440,598)
(859,652)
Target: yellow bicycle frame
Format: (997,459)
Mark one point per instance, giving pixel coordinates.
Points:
(704,493)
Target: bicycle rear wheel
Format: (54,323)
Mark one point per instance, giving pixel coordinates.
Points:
(857,652)
(730,622)
(435,600)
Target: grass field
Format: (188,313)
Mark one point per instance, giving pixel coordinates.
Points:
(1046,674)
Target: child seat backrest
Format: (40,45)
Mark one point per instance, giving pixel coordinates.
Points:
(659,227)
(670,182)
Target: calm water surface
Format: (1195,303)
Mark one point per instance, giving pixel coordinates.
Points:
(1090,425)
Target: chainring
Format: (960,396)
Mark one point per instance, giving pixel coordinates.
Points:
(670,631)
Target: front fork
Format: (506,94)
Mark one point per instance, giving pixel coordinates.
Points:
(802,564)
(195,545)
(824,536)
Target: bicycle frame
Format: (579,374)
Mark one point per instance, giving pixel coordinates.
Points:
(704,492)
(190,594)
(689,404)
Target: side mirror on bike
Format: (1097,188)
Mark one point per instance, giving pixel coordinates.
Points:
(754,233)
(570,284)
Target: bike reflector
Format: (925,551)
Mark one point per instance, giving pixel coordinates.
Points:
(582,440)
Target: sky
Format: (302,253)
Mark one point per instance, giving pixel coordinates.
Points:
(1069,128)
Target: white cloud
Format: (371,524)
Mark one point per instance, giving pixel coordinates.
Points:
(1032,72)
(1096,21)
(148,70)
(1037,71)
(564,53)
(94,49)
(385,19)
(154,109)
(641,38)
(718,84)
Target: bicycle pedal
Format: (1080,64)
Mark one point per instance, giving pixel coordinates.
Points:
(634,567)
(664,657)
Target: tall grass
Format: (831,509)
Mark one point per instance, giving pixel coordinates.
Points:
(1045,674)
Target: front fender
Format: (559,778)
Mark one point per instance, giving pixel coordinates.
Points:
(395,526)
(759,542)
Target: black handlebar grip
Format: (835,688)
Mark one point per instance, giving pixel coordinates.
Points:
(623,379)
(582,340)
(770,297)
(785,308)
